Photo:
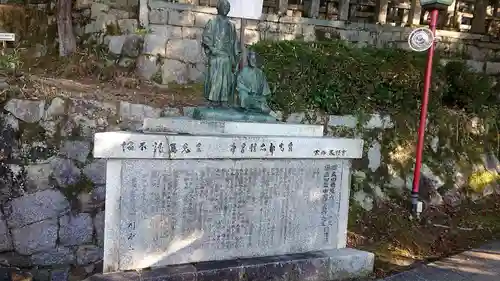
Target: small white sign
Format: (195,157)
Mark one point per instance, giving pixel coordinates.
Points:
(7,37)
(246,9)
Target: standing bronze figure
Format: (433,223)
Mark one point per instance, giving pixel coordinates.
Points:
(221,46)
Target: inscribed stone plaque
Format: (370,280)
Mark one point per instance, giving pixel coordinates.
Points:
(183,211)
(126,145)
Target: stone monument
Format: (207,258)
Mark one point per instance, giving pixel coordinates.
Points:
(215,200)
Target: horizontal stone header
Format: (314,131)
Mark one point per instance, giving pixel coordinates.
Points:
(126,145)
(208,127)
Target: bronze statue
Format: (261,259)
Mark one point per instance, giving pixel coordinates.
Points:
(252,87)
(221,46)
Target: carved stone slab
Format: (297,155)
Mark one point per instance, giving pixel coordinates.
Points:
(164,212)
(125,145)
(206,127)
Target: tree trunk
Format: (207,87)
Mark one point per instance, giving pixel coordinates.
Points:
(67,41)
(479,20)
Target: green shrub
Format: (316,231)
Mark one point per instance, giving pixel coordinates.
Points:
(339,78)
(467,90)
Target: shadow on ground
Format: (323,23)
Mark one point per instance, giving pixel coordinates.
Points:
(401,244)
(481,264)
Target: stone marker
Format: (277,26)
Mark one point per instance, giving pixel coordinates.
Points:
(228,201)
(187,125)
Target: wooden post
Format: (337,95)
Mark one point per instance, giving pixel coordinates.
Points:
(343,9)
(449,17)
(282,7)
(313,11)
(478,24)
(143,13)
(381,11)
(242,43)
(415,12)
(406,17)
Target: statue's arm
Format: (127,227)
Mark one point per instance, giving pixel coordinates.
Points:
(266,91)
(207,40)
(240,83)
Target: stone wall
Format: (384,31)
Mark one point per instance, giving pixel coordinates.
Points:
(53,191)
(164,38)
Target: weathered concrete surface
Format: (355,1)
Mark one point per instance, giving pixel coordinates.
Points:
(482,264)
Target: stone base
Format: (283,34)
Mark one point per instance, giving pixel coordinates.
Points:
(340,264)
(231,114)
(187,125)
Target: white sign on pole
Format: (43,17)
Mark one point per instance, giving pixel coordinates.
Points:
(7,37)
(246,9)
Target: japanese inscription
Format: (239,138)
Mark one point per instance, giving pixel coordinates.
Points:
(330,152)
(241,207)
(157,147)
(128,146)
(185,148)
(264,147)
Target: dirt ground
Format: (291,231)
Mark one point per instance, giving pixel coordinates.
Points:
(31,86)
(400,243)
(90,75)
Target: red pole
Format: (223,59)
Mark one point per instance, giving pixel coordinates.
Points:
(423,115)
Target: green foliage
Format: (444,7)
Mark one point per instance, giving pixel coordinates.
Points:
(113,29)
(467,90)
(11,61)
(339,78)
(143,31)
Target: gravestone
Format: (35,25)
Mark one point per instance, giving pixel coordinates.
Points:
(225,204)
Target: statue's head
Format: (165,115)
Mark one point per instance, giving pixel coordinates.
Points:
(223,7)
(252,59)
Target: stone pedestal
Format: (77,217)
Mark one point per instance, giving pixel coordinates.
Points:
(338,264)
(219,205)
(186,125)
(230,114)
